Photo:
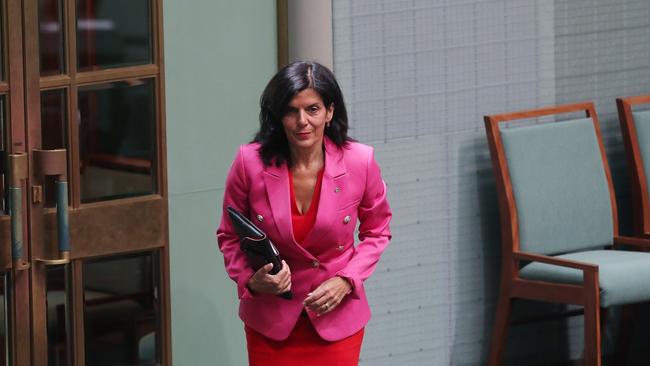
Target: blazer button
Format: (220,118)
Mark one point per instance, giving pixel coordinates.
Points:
(347,219)
(315,264)
(341,247)
(260,218)
(337,190)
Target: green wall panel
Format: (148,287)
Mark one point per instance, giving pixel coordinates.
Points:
(218,57)
(205,327)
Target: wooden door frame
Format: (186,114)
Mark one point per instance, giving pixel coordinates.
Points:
(19,311)
(70,81)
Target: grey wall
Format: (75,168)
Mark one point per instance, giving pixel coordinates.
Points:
(219,54)
(418,77)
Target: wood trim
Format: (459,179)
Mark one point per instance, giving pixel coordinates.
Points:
(547,291)
(73,102)
(640,193)
(5,237)
(31,64)
(76,311)
(16,102)
(22,321)
(282,12)
(507,206)
(159,88)
(161,163)
(532,257)
(4,87)
(591,112)
(108,75)
(19,291)
(592,319)
(39,315)
(54,82)
(546,111)
(633,100)
(639,243)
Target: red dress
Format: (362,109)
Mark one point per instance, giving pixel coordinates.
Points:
(303,346)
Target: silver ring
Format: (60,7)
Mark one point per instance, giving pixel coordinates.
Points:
(326,306)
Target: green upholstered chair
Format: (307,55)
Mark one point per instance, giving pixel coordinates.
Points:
(635,126)
(558,217)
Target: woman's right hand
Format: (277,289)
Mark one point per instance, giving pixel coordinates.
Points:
(264,282)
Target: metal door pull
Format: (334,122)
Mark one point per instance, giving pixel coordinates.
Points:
(18,173)
(53,162)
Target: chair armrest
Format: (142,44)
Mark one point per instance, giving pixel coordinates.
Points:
(642,243)
(533,257)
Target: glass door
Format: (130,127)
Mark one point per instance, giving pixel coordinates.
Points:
(95,187)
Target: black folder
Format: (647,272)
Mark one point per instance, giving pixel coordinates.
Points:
(258,247)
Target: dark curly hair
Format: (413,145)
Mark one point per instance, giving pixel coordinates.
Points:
(275,99)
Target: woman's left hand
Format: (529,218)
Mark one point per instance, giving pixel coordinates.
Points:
(327,296)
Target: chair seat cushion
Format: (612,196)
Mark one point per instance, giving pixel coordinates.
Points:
(623,276)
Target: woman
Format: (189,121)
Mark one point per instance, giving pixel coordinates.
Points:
(304,182)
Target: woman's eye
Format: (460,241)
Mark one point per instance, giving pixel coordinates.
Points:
(313,109)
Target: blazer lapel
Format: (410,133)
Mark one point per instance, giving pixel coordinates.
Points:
(276,180)
(330,194)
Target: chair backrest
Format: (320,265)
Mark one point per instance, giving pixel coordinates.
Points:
(554,181)
(635,126)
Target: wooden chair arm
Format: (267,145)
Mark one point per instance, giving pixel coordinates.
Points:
(642,243)
(533,257)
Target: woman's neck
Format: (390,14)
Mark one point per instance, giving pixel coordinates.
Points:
(307,159)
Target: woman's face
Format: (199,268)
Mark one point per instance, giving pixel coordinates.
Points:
(304,122)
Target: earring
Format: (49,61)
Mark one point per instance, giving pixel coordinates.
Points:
(327,124)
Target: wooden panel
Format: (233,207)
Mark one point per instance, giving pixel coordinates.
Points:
(111,228)
(5,239)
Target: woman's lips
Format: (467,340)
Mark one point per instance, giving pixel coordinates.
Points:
(303,135)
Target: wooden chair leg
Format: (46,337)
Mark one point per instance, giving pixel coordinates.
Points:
(592,320)
(500,329)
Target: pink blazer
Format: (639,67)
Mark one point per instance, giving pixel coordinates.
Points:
(352,189)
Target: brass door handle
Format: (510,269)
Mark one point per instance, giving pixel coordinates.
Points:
(17,173)
(53,162)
